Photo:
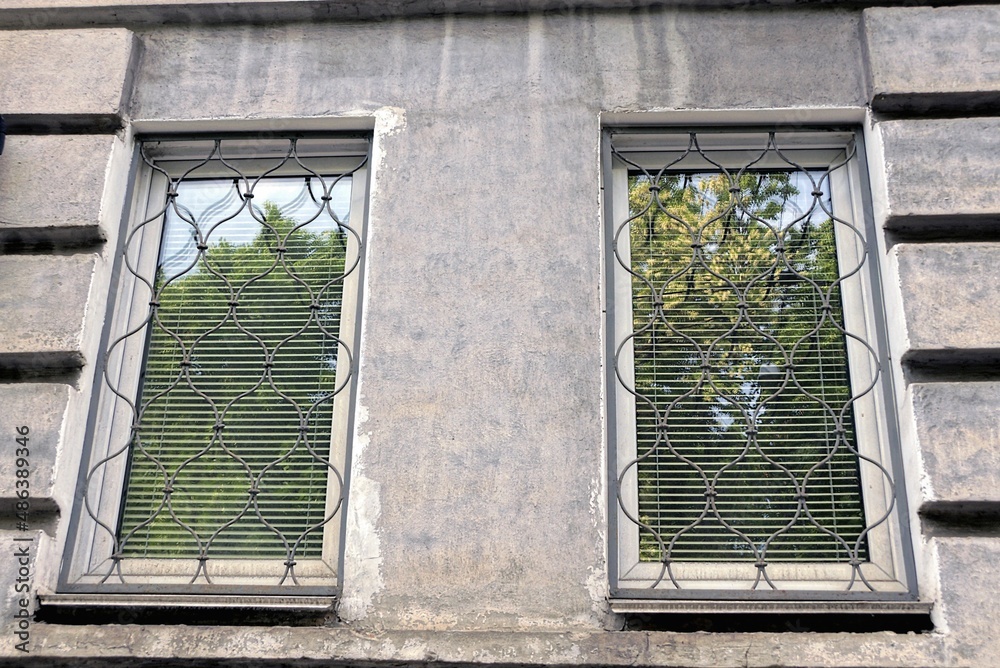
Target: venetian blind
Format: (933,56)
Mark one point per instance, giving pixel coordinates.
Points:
(744,421)
(231,458)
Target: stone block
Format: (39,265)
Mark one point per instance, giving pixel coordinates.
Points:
(970,597)
(40,407)
(925,58)
(43,300)
(950,294)
(61,78)
(938,171)
(51,188)
(958,427)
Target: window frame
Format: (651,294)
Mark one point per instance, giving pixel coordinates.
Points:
(110,417)
(891,564)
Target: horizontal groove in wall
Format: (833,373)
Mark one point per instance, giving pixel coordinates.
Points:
(916,619)
(965,104)
(55,367)
(51,240)
(961,518)
(132,610)
(943,228)
(67,124)
(952,365)
(34,15)
(44,514)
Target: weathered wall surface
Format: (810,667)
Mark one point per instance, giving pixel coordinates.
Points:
(477,516)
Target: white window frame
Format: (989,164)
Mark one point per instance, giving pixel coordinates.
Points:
(890,566)
(88,557)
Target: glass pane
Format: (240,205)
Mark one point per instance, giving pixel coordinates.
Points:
(236,408)
(745,432)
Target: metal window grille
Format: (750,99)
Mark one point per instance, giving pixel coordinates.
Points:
(243,328)
(737,373)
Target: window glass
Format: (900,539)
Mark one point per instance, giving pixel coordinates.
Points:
(244,336)
(732,276)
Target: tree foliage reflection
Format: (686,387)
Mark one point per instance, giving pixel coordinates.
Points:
(744,423)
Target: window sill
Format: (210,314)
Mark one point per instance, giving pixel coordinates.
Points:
(653,606)
(288,603)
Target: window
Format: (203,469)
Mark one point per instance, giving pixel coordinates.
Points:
(217,456)
(752,428)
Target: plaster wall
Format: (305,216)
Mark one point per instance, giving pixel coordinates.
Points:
(478,508)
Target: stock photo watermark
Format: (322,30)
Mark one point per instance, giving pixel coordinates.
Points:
(22,546)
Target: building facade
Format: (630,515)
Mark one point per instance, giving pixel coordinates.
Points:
(482,489)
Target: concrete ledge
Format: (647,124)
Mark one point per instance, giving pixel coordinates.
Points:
(923,59)
(46,75)
(950,295)
(958,427)
(52,189)
(188,646)
(43,300)
(40,407)
(942,174)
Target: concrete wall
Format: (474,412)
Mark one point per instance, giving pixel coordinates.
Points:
(478,511)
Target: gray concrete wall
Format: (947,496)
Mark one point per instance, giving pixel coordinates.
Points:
(478,511)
